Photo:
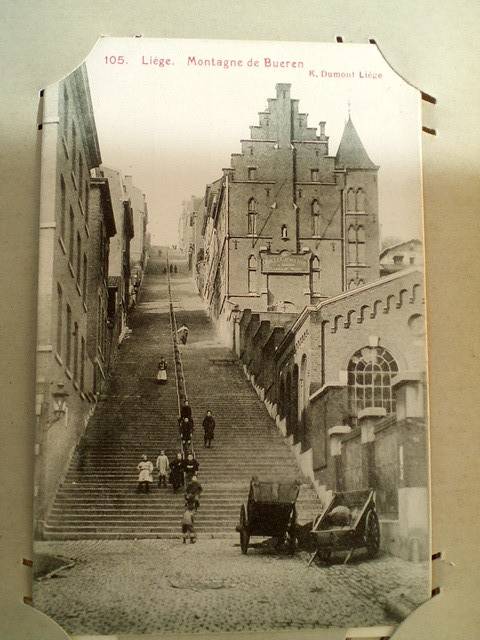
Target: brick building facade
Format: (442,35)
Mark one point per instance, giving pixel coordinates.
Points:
(346,384)
(81,208)
(138,244)
(64,371)
(119,275)
(99,328)
(288,224)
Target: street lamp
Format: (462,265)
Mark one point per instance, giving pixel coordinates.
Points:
(59,401)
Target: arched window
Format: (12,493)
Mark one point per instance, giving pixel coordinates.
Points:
(351,285)
(352,244)
(361,257)
(360,201)
(284,232)
(370,374)
(315,218)
(356,244)
(252,274)
(252,217)
(314,275)
(351,200)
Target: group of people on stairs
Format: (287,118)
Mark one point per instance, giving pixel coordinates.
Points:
(182,470)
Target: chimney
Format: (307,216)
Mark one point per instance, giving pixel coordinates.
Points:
(322,124)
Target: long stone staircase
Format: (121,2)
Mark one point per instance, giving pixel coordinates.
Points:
(97,498)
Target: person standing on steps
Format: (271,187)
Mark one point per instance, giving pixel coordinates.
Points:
(186,411)
(176,473)
(163,466)
(162,371)
(192,493)
(183,333)
(190,466)
(188,528)
(186,429)
(208,429)
(145,478)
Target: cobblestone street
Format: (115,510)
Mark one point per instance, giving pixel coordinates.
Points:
(147,586)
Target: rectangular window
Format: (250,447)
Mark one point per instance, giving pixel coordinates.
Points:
(63,208)
(252,224)
(74,147)
(59,319)
(75,351)
(84,281)
(252,173)
(71,237)
(68,337)
(87,199)
(314,175)
(66,108)
(112,302)
(80,177)
(79,258)
(99,323)
(82,364)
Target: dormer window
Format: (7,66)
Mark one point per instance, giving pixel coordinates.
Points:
(252,173)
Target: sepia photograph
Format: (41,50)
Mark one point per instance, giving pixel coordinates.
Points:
(231,382)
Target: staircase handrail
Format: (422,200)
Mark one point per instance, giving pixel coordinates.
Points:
(179,379)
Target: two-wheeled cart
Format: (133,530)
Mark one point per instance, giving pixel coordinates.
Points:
(348,522)
(270,512)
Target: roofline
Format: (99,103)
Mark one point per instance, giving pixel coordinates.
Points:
(341,296)
(399,244)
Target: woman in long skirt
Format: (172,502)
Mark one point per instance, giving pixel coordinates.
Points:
(176,473)
(145,478)
(162,371)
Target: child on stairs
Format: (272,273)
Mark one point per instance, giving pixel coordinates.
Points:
(188,526)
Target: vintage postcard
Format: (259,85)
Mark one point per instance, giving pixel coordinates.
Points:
(231,399)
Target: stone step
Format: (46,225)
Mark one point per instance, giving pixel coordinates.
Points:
(97,499)
(58,534)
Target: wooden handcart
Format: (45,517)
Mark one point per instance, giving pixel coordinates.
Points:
(270,512)
(348,522)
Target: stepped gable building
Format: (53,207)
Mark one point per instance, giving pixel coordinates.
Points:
(346,384)
(65,372)
(288,224)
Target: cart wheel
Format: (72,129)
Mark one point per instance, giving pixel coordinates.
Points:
(244,535)
(325,555)
(291,533)
(372,534)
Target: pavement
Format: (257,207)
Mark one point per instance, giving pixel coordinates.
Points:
(151,586)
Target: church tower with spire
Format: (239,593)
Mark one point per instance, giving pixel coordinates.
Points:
(360,207)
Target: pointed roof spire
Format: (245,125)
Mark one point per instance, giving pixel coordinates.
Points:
(351,153)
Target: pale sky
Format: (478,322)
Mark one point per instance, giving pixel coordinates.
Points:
(174,127)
